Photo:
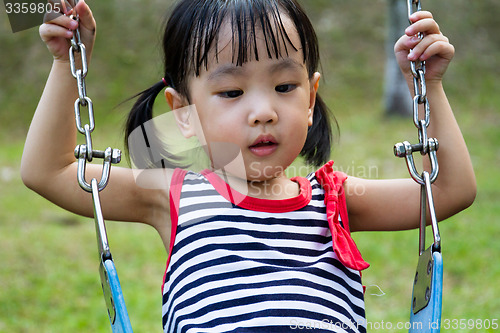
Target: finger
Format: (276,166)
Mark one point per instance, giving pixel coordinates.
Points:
(417,16)
(67,7)
(57,9)
(442,49)
(409,43)
(49,31)
(63,21)
(422,50)
(426,26)
(403,45)
(85,15)
(406,43)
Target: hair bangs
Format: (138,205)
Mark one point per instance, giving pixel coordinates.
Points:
(249,20)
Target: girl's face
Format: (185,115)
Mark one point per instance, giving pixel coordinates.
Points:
(263,107)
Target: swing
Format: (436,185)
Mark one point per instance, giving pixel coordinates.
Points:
(113,296)
(425,315)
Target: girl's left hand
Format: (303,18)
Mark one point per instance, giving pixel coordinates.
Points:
(435,48)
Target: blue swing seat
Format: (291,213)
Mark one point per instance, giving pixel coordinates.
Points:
(427,318)
(117,311)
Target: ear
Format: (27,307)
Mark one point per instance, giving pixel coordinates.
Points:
(181,111)
(314,84)
(174,99)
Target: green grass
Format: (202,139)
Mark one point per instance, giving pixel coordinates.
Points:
(49,279)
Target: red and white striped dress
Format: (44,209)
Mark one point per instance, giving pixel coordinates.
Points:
(243,264)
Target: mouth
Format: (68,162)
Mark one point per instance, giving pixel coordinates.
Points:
(264,145)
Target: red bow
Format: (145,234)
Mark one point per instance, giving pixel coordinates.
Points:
(343,244)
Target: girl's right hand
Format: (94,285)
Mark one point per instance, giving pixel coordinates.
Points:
(57,33)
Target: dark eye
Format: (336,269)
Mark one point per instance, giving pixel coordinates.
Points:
(284,88)
(231,94)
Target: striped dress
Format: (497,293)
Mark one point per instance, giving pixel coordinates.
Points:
(242,264)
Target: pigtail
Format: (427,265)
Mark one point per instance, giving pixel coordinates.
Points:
(142,111)
(144,149)
(319,140)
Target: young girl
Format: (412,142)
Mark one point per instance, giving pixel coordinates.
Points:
(266,253)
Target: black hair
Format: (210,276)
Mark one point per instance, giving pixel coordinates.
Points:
(192,32)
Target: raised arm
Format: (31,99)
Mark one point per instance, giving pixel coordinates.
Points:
(394,204)
(48,164)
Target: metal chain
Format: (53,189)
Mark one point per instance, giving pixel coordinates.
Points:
(426,146)
(85,152)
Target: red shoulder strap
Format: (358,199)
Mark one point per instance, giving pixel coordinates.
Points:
(175,197)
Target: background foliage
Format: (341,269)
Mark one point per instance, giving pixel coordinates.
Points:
(48,264)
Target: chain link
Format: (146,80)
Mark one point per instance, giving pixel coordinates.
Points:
(85,153)
(426,146)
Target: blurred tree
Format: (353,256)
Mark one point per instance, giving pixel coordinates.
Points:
(397,100)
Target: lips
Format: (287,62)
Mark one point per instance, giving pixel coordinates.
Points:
(264,145)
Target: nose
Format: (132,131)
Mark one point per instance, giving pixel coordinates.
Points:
(262,113)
